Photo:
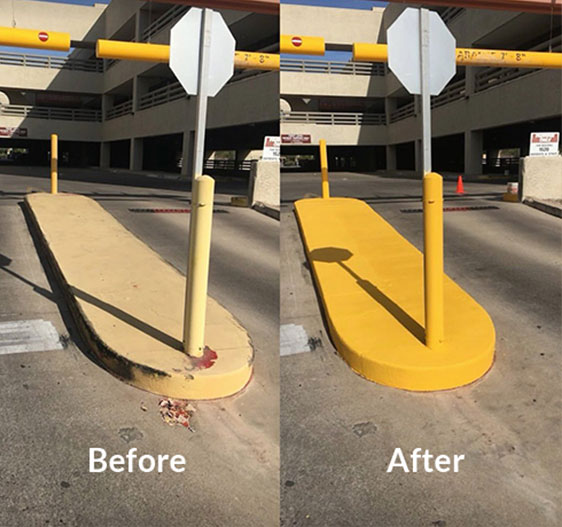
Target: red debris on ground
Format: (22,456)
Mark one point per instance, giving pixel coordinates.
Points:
(206,360)
(176,412)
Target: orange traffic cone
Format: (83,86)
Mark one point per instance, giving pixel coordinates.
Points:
(460,187)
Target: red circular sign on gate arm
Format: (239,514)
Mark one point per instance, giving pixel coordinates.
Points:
(296,41)
(43,37)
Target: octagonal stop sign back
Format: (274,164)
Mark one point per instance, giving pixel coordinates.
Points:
(185,44)
(403,38)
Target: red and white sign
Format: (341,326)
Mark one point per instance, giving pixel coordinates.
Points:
(544,144)
(295,139)
(43,36)
(296,41)
(271,145)
(6,131)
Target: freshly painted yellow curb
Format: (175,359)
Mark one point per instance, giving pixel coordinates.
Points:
(128,304)
(370,281)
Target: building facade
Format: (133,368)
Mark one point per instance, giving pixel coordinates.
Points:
(126,114)
(481,122)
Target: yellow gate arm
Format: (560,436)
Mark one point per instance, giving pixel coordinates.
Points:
(116,49)
(363,52)
(302,45)
(34,38)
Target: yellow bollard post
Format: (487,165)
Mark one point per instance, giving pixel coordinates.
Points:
(433,259)
(198,265)
(324,168)
(54,163)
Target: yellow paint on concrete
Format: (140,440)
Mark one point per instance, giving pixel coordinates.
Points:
(240,201)
(514,198)
(131,302)
(370,280)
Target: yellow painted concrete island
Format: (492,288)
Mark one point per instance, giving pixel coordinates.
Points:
(128,304)
(370,280)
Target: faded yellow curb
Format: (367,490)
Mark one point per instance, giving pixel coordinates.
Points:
(370,281)
(128,303)
(513,198)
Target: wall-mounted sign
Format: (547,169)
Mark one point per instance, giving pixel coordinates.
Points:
(544,144)
(6,131)
(271,145)
(295,139)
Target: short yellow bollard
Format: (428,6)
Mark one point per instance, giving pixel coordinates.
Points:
(198,265)
(433,259)
(54,163)
(324,168)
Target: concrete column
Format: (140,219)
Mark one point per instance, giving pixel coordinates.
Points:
(140,88)
(105,154)
(106,103)
(390,157)
(419,157)
(390,104)
(417,105)
(141,22)
(470,80)
(473,141)
(135,156)
(135,97)
(187,152)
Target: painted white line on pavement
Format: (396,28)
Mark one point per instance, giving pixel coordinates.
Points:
(22,336)
(293,339)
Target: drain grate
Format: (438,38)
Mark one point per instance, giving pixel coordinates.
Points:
(457,209)
(171,211)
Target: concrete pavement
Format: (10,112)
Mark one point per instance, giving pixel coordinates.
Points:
(55,405)
(339,431)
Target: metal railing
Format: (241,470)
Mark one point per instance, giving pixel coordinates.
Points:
(109,63)
(491,77)
(119,110)
(453,92)
(161,22)
(495,76)
(333,67)
(163,95)
(174,91)
(228,164)
(50,61)
(46,112)
(450,13)
(334,118)
(408,110)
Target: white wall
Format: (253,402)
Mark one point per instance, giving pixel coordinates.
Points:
(541,177)
(77,20)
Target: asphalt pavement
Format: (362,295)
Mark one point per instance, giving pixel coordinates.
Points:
(339,431)
(57,404)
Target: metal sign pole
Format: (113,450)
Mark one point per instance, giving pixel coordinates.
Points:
(202,93)
(432,207)
(201,209)
(425,93)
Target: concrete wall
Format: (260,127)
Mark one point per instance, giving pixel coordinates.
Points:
(27,78)
(533,97)
(43,128)
(360,25)
(77,20)
(265,183)
(339,134)
(255,104)
(319,84)
(540,177)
